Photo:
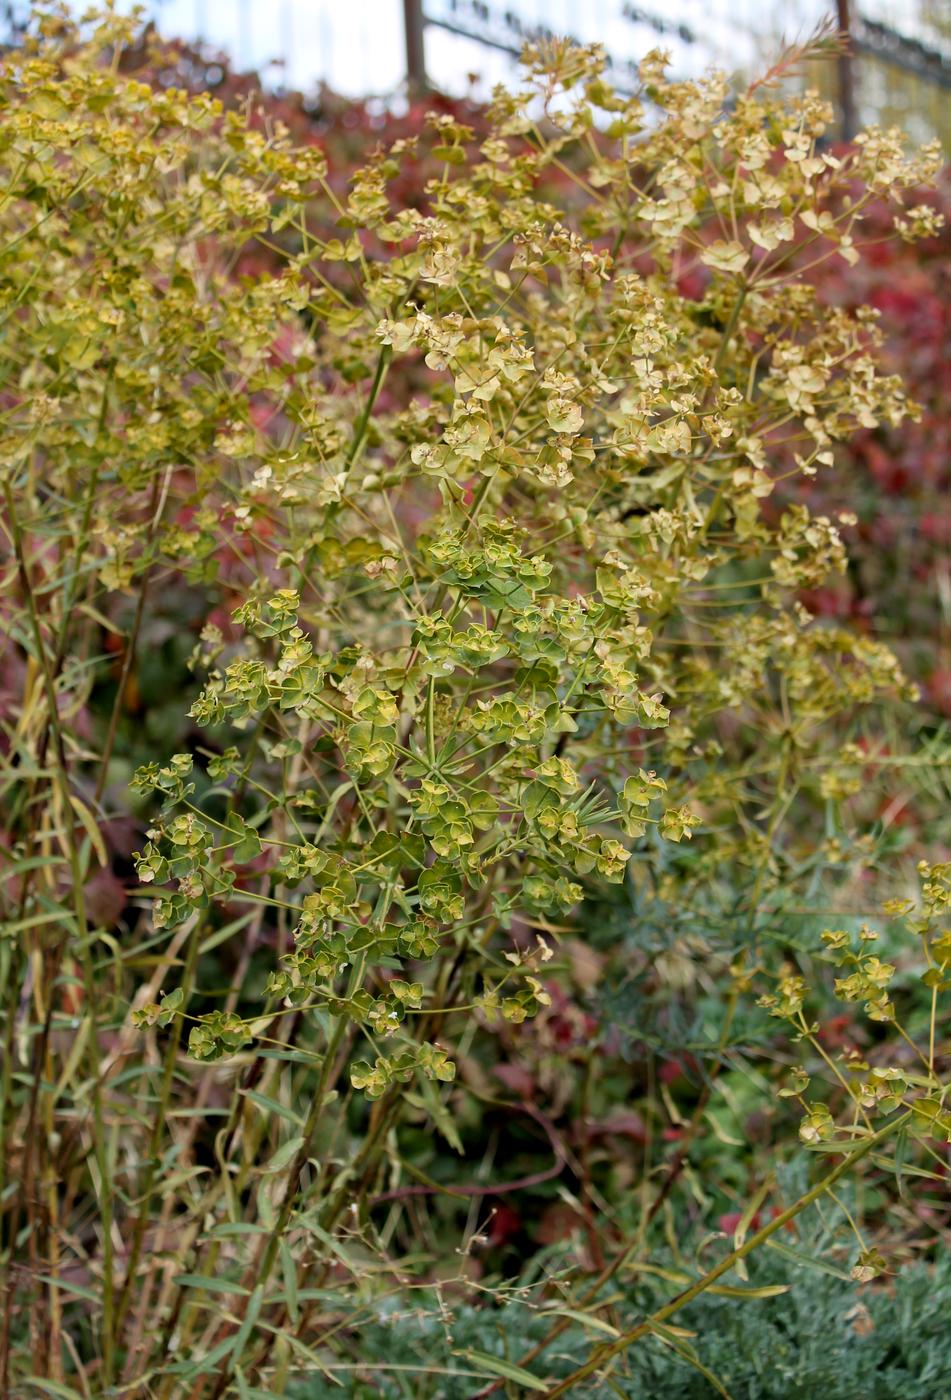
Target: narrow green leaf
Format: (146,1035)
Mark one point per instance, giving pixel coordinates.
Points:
(62,1392)
(668,1337)
(767,1290)
(66,1287)
(506,1369)
(205,1363)
(238,1227)
(284,1155)
(250,1318)
(796,1256)
(289,1270)
(211,1285)
(272,1106)
(584,1320)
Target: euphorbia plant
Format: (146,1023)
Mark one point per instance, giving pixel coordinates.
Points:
(489,581)
(497,610)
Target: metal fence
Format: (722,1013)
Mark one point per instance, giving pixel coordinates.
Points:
(897,65)
(900,68)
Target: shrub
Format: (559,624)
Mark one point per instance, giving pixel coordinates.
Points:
(488,612)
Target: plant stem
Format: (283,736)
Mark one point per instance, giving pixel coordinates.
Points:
(260,1270)
(79,907)
(128,659)
(158,1127)
(363,422)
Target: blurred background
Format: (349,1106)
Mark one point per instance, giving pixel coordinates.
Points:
(899,70)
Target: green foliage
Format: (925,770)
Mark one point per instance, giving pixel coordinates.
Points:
(812,1336)
(491,616)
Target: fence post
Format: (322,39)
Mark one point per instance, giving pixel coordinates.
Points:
(846,76)
(413,26)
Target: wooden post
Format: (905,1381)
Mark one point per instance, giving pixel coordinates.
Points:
(846,86)
(413,26)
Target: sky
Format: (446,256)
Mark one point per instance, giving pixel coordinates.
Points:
(357,45)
